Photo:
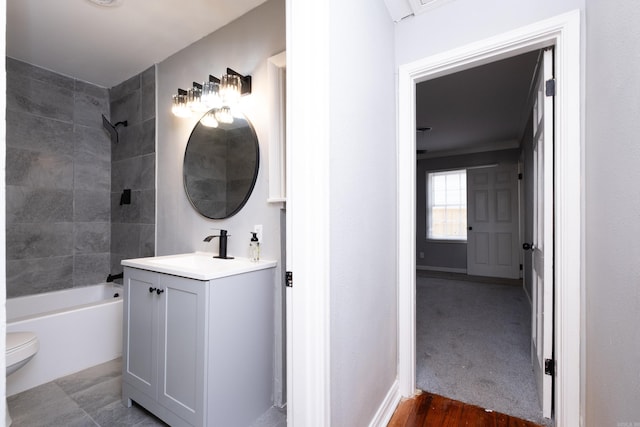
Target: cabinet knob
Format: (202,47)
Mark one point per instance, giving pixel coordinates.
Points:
(152,289)
(159,291)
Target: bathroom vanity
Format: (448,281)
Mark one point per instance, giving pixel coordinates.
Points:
(198,338)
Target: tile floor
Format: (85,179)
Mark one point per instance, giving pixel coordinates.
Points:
(91,398)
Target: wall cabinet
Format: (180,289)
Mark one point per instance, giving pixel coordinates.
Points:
(199,352)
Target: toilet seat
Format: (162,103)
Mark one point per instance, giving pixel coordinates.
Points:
(20,346)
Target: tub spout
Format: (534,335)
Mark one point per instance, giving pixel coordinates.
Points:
(112,277)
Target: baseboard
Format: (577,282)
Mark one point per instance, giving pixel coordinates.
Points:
(387,407)
(443,269)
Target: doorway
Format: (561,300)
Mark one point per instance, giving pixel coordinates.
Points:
(473,317)
(563,32)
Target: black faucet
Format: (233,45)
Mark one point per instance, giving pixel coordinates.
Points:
(222,252)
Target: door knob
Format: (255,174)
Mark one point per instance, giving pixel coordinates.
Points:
(527,246)
(159,291)
(152,289)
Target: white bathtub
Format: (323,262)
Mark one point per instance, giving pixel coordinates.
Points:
(77,328)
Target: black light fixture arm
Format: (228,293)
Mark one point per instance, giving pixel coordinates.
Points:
(246,81)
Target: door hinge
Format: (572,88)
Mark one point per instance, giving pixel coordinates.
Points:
(549,367)
(520,267)
(550,87)
(519,176)
(288,277)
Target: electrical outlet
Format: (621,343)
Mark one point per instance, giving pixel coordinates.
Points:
(258,230)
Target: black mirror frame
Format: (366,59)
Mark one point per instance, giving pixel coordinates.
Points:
(249,189)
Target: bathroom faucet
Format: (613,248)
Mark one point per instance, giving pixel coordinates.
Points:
(222,251)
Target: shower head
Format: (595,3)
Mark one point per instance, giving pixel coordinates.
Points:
(111,129)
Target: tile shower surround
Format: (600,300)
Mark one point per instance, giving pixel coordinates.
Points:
(133,167)
(60,174)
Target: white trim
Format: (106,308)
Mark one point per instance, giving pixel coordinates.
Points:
(308,170)
(276,66)
(387,407)
(406,232)
(568,224)
(443,269)
(563,31)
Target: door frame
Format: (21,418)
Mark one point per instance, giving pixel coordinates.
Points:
(563,32)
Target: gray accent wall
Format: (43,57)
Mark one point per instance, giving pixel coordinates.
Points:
(57,181)
(438,255)
(133,163)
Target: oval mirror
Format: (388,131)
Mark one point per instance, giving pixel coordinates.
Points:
(220,167)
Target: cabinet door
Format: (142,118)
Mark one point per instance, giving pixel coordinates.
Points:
(140,331)
(182,347)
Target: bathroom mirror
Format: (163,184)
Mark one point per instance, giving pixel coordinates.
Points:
(220,167)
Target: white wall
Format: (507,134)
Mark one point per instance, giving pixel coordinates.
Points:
(362,210)
(612,245)
(611,370)
(460,22)
(243,45)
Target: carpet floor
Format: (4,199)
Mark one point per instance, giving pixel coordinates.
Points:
(473,344)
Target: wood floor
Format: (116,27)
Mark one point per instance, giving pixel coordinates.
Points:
(431,410)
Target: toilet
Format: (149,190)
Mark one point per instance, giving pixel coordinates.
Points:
(21,347)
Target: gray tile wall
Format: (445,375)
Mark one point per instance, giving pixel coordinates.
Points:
(64,178)
(57,181)
(133,167)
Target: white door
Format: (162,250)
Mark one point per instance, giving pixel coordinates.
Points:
(492,220)
(542,246)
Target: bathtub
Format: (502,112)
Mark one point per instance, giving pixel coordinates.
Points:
(77,328)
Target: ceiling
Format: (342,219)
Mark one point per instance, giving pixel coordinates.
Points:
(479,109)
(107,45)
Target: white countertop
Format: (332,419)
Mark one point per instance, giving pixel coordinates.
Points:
(198,265)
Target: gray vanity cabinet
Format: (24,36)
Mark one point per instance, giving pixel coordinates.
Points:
(198,352)
(163,352)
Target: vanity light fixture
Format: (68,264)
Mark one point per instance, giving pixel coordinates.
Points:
(194,99)
(230,87)
(179,107)
(219,95)
(211,93)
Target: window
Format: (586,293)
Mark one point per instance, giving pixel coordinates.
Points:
(447,205)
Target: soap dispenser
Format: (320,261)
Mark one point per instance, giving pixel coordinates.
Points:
(254,247)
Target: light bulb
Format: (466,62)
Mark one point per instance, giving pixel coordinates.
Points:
(230,89)
(179,107)
(194,100)
(211,95)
